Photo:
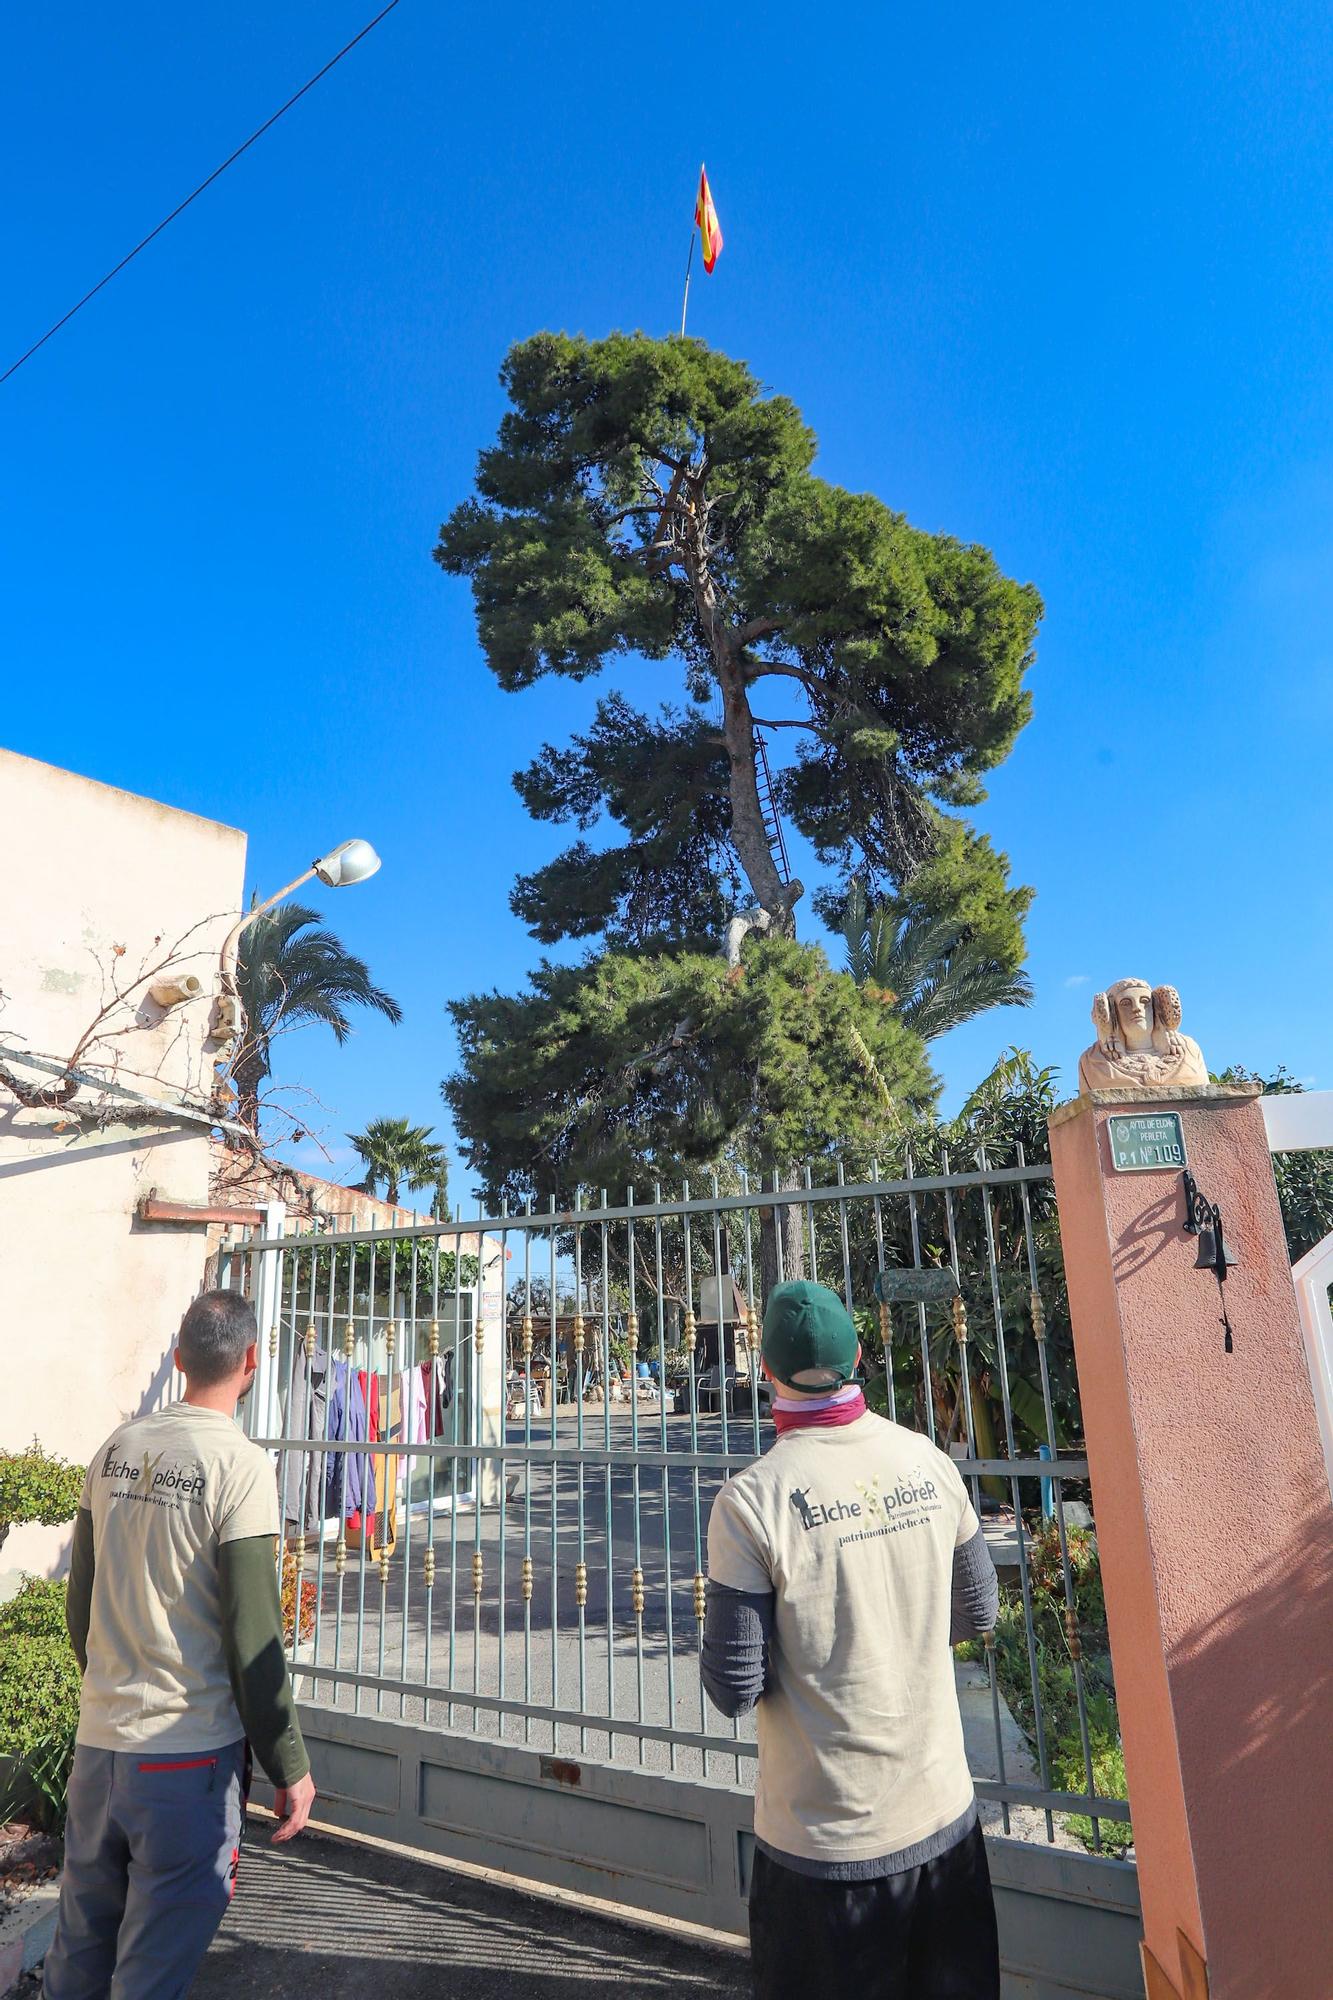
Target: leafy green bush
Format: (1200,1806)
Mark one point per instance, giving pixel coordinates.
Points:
(1056,1680)
(37,1487)
(39,1702)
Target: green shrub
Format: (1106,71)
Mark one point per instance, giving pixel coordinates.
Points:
(1056,1681)
(39,1702)
(37,1488)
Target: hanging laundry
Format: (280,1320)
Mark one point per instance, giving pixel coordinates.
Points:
(349,1482)
(301,1480)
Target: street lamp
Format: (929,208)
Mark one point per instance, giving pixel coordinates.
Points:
(351,861)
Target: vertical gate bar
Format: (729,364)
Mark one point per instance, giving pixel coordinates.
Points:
(1058,1494)
(455,1463)
(555,1481)
(478,1409)
(400,1466)
(754,1318)
(779,1248)
(722,1379)
(846,1246)
(636,1581)
(286,1429)
(433,1356)
(605,1234)
(922,1335)
(503,1584)
(810,1228)
(382,1512)
(961,1336)
(666,1474)
(581,1561)
(690,1335)
(715,1218)
(352,1340)
(340,1546)
(965,1375)
(527,1477)
(885,1311)
(1043,1760)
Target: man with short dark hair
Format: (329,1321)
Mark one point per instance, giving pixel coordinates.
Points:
(841,1565)
(174,1613)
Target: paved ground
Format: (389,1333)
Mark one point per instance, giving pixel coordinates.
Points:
(326,1920)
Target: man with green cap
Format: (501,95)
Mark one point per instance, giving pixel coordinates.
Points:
(842,1566)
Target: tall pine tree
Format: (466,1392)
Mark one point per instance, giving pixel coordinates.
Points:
(648,499)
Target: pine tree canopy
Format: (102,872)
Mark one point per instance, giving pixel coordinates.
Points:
(632,1067)
(648,498)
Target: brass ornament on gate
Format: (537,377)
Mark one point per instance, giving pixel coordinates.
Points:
(636,1592)
(273,1339)
(580,1584)
(428,1566)
(349,1339)
(527,1579)
(478,1572)
(384,1565)
(390,1339)
(309,1342)
(691,1327)
(578,1335)
(298,1552)
(1075,1643)
(959,1311)
(527,1337)
(340,1555)
(700,1595)
(1038,1316)
(433,1344)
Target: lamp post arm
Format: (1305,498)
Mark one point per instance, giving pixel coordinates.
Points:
(233,938)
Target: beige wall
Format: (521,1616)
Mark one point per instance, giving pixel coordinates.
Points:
(90,1297)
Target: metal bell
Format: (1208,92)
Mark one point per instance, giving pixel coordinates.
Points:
(1206,1260)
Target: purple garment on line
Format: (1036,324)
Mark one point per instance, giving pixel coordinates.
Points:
(346,1492)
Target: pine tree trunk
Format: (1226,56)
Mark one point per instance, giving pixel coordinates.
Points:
(781,1240)
(747,819)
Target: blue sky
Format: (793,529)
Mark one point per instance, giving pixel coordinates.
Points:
(1060,285)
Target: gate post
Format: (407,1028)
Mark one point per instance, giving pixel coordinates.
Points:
(1216,1539)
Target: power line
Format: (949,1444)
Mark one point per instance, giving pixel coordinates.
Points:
(182,206)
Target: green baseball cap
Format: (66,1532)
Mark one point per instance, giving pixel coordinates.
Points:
(809,1340)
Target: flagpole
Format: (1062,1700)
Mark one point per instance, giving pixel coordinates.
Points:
(694,231)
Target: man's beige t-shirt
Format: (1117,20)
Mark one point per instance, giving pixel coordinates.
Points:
(165,1492)
(860,1740)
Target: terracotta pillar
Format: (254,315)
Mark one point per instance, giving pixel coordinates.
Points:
(1216,1538)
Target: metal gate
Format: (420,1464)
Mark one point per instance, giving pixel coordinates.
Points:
(495,1592)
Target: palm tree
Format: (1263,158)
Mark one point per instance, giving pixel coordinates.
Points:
(402,1156)
(290,972)
(935,975)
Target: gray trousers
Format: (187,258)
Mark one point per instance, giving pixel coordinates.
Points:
(151,1847)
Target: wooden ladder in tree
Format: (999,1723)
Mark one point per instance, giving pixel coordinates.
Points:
(763,779)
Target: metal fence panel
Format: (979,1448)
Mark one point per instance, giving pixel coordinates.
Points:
(545,1587)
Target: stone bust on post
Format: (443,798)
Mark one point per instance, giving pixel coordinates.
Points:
(1139,1045)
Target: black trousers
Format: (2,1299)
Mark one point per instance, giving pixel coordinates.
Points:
(927,1934)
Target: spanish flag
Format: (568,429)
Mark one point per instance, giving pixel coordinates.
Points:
(705,216)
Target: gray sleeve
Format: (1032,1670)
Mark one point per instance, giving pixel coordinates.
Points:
(976,1591)
(738,1629)
(79,1593)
